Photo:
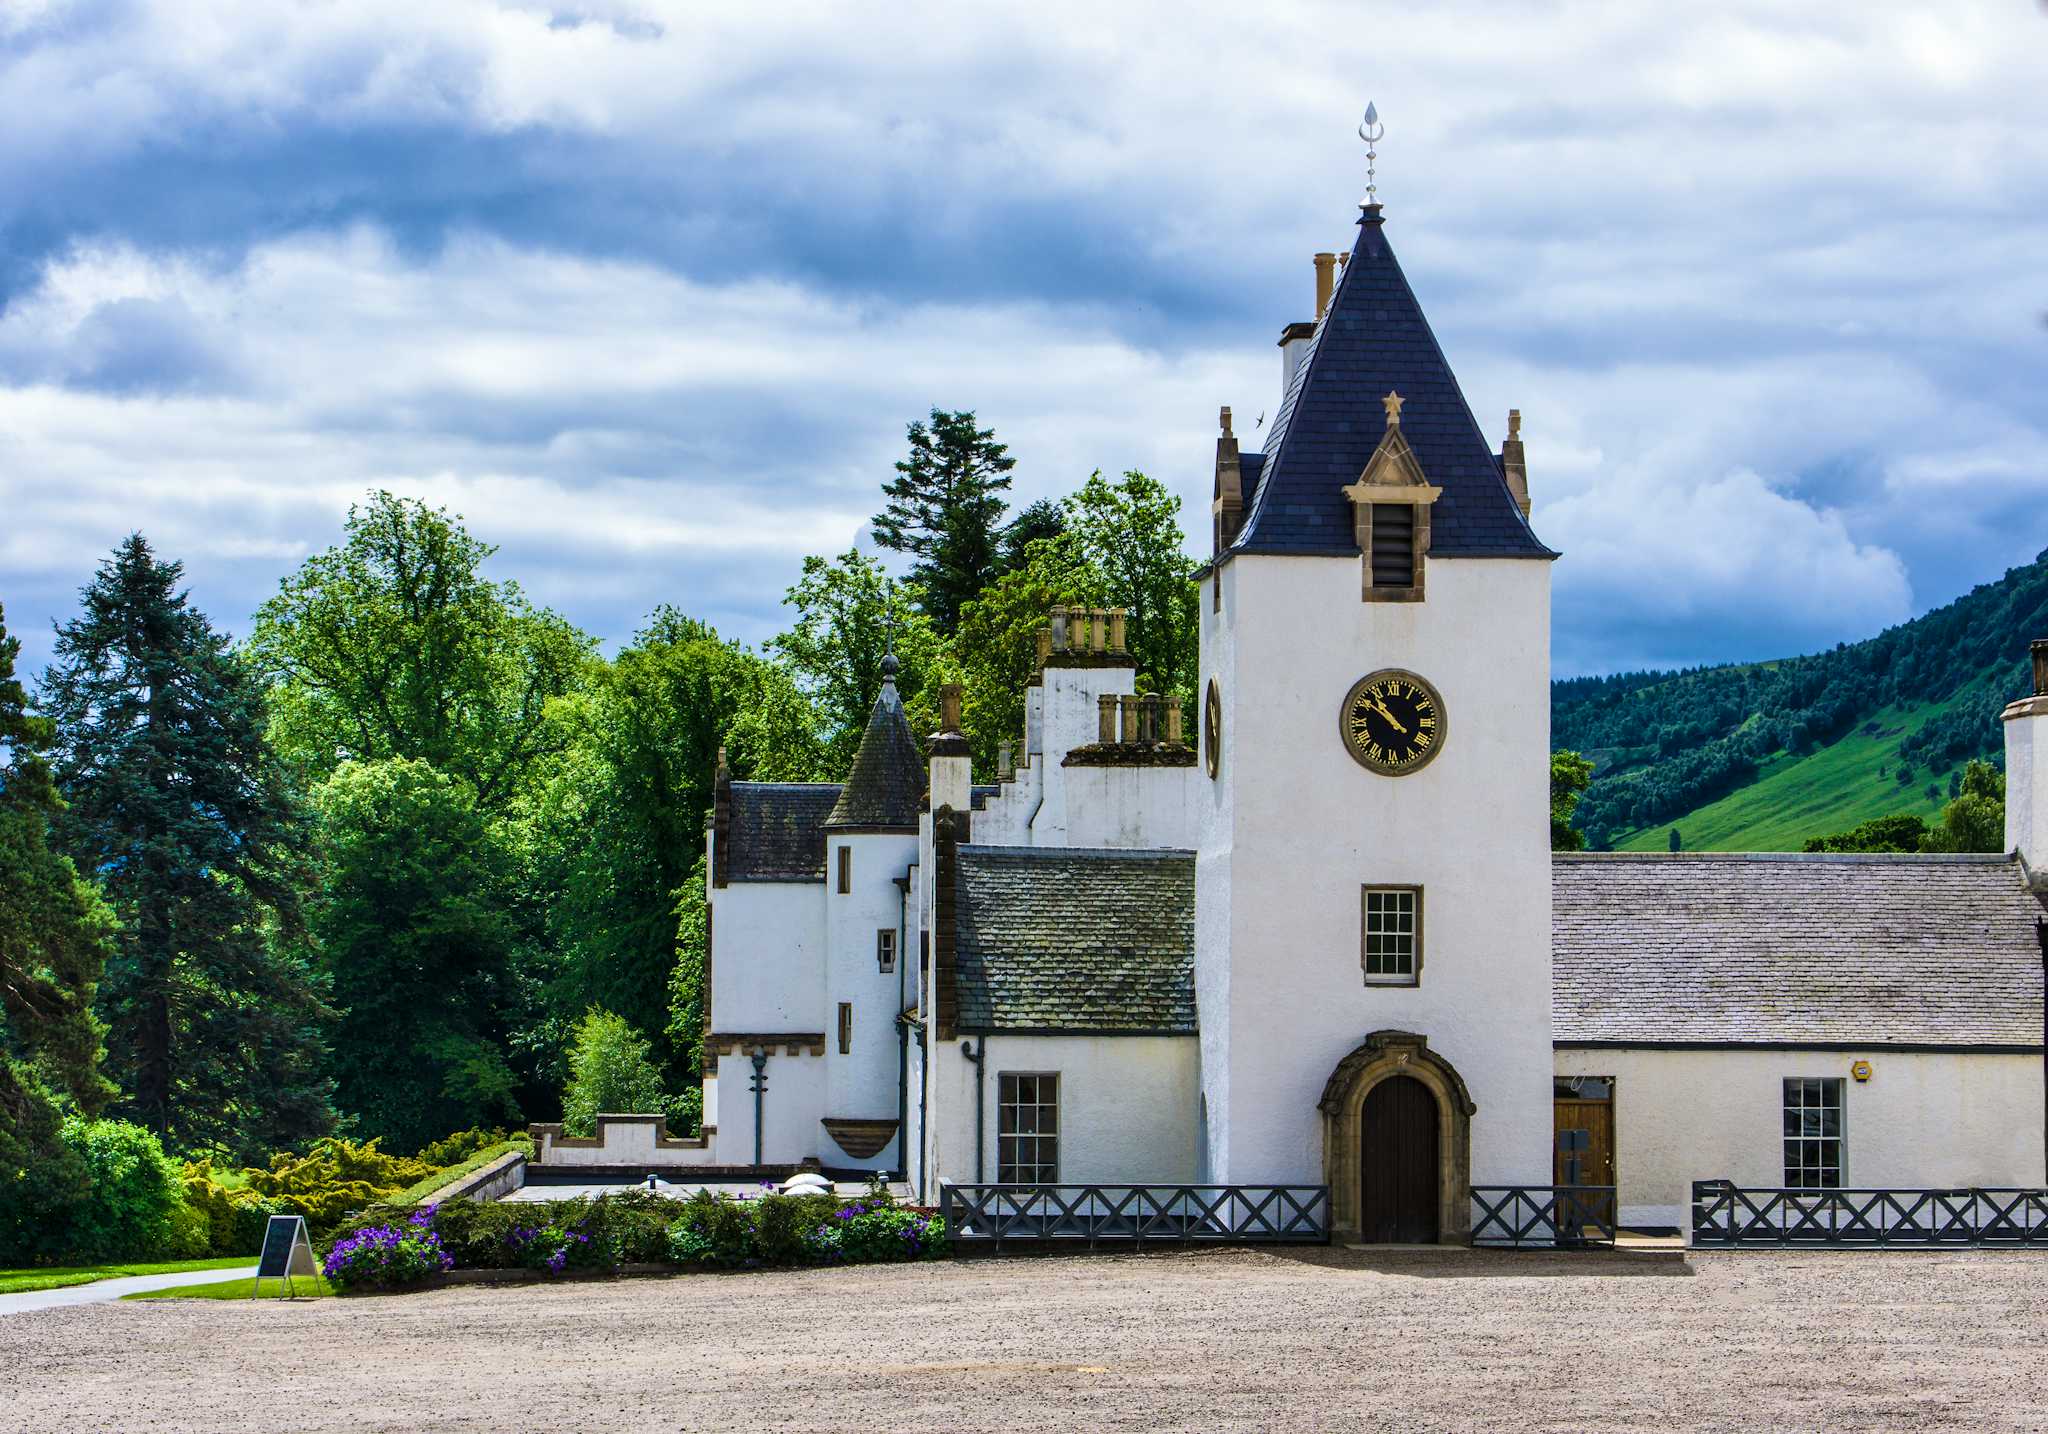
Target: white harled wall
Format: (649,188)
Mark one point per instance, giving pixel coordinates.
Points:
(862,1084)
(1295,827)
(1923,1120)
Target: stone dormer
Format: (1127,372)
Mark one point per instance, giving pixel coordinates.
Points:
(1390,506)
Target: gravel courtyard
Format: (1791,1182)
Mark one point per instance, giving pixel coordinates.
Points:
(1211,1340)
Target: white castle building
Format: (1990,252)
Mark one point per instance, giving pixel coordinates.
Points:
(1320,937)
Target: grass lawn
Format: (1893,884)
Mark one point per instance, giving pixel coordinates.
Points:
(1828,790)
(303,1286)
(19,1282)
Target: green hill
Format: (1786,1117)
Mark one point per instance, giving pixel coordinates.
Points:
(1761,756)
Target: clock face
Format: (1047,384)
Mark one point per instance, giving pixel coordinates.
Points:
(1392,722)
(1212,728)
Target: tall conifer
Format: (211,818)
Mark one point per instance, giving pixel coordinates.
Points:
(946,509)
(179,808)
(55,936)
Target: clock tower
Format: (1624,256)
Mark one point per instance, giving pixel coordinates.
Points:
(1373,873)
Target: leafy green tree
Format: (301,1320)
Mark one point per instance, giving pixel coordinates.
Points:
(847,614)
(177,804)
(1569,775)
(1036,521)
(1902,832)
(1677,843)
(686,998)
(610,1073)
(55,937)
(394,644)
(1130,532)
(997,640)
(622,820)
(419,937)
(945,507)
(1974,821)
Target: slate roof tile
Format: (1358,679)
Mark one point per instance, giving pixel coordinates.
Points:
(1372,341)
(886,785)
(1866,951)
(778,830)
(1076,939)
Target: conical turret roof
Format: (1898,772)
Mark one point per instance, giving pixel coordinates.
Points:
(886,785)
(1374,341)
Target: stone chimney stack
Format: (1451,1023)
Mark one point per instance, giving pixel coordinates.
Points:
(1228,509)
(952,760)
(2026,773)
(1512,463)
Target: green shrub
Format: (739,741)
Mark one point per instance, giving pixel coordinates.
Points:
(334,1180)
(129,1210)
(235,1214)
(461,1147)
(609,1070)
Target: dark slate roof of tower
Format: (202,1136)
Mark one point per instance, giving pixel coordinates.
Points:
(886,785)
(1374,340)
(1779,949)
(778,830)
(1059,939)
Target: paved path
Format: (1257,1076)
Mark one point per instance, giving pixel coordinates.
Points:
(113,1289)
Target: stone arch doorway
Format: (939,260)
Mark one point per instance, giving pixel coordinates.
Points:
(1397,1140)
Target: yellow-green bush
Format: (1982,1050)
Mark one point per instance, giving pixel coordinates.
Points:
(235,1213)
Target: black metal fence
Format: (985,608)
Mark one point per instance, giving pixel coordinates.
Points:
(1724,1215)
(995,1215)
(1549,1217)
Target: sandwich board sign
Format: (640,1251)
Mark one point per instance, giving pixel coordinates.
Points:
(286,1252)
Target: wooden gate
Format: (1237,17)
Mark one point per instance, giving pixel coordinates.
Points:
(1400,1178)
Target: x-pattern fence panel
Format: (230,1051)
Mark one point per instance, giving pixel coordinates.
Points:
(1725,1215)
(1136,1214)
(1550,1217)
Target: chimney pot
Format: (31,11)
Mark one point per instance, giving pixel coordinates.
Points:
(2039,651)
(1173,730)
(1044,645)
(1326,282)
(949,707)
(1116,630)
(1128,703)
(1098,636)
(1059,627)
(1105,718)
(1006,765)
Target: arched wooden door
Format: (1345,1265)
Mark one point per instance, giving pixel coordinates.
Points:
(1398,1148)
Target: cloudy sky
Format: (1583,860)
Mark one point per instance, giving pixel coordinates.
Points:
(648,291)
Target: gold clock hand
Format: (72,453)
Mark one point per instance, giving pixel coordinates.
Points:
(1392,720)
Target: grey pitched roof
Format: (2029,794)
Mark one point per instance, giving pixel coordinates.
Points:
(1864,951)
(1076,939)
(1372,341)
(887,781)
(778,830)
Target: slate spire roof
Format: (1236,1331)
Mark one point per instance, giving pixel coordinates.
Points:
(1374,341)
(886,785)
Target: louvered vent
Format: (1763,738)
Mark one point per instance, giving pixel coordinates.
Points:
(1393,545)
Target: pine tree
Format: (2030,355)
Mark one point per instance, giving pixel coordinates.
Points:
(946,508)
(55,937)
(177,804)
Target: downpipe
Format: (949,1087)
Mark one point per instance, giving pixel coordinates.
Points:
(760,1089)
(979,1055)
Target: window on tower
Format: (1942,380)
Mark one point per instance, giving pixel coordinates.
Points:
(885,949)
(1391,940)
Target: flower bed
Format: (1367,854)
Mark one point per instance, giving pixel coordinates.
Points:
(388,1257)
(632,1229)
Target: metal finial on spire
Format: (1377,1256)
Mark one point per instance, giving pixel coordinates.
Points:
(1372,132)
(889,663)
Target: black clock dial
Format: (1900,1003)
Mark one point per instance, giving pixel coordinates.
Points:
(1392,722)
